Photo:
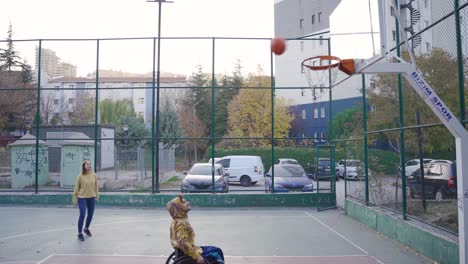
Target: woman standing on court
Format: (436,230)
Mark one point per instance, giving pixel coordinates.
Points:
(85,195)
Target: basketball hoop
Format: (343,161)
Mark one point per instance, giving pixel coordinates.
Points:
(322,71)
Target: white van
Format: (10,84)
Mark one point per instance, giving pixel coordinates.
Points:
(247,170)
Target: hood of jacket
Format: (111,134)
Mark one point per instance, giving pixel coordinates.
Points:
(174,207)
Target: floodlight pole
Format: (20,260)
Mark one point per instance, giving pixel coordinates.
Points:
(155,131)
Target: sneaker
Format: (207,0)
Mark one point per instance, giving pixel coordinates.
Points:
(87,232)
(80,237)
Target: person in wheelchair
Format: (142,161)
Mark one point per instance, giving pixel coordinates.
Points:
(183,236)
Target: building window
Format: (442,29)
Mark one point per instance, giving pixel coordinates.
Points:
(322,111)
(141,114)
(313,19)
(56,87)
(56,101)
(56,116)
(71,100)
(71,86)
(428,47)
(141,100)
(316,137)
(392,11)
(301,23)
(394,35)
(319,17)
(323,136)
(303,114)
(90,86)
(315,112)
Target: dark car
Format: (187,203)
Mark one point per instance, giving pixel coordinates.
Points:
(440,181)
(289,177)
(323,170)
(199,179)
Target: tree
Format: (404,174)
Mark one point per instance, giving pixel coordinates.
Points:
(250,114)
(111,112)
(169,123)
(229,87)
(347,122)
(83,112)
(136,130)
(439,69)
(17,100)
(52,113)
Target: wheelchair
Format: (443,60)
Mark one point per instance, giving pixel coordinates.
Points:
(178,257)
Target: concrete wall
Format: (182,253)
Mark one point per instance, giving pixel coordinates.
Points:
(160,200)
(428,244)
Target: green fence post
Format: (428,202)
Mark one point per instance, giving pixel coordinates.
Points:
(153,121)
(212,114)
(272,85)
(96,105)
(366,154)
(38,116)
(461,79)
(401,124)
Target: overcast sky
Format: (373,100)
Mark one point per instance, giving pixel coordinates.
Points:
(66,19)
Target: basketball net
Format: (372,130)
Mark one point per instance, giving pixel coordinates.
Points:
(321,73)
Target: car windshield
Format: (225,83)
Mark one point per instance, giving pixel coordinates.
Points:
(203,170)
(324,162)
(289,171)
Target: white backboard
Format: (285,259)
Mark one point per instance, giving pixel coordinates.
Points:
(355,29)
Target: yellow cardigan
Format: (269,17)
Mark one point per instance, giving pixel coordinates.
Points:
(86,186)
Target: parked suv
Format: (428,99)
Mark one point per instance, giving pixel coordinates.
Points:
(323,170)
(247,170)
(440,181)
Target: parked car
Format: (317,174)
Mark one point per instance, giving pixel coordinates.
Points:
(355,169)
(413,165)
(287,161)
(215,160)
(247,170)
(289,177)
(440,181)
(323,170)
(199,179)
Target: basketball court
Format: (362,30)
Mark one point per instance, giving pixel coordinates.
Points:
(251,235)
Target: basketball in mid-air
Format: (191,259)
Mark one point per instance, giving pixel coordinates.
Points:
(278,45)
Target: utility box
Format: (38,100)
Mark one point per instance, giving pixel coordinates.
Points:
(23,162)
(73,152)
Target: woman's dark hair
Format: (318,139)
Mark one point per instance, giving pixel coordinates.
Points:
(83,169)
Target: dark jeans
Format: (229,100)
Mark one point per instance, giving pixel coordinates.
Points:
(83,204)
(213,254)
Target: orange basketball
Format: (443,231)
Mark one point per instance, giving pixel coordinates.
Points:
(278,45)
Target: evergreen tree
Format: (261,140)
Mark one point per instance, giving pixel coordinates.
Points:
(9,57)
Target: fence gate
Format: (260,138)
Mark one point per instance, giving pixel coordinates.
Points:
(325,172)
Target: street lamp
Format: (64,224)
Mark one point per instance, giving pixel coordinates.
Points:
(155,131)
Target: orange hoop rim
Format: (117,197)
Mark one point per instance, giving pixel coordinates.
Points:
(322,67)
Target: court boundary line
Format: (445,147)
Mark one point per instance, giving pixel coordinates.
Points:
(343,237)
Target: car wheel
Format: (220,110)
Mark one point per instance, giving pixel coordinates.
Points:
(245,181)
(439,195)
(337,178)
(253,183)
